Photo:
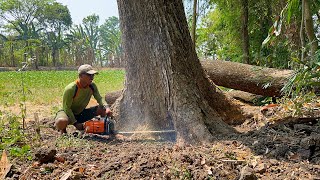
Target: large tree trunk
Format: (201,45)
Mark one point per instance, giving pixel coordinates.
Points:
(248,78)
(164,80)
(245,33)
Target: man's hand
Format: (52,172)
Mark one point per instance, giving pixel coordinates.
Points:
(104,111)
(108,112)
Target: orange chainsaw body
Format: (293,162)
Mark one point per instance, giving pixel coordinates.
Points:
(99,126)
(95,126)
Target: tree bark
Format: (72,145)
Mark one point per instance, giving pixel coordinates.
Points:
(194,23)
(302,32)
(165,82)
(54,57)
(309,28)
(248,78)
(245,97)
(245,33)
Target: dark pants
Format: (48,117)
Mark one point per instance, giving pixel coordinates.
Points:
(85,115)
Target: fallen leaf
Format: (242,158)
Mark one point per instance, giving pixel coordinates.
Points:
(5,166)
(66,175)
(36,164)
(81,170)
(60,159)
(203,161)
(295,157)
(265,108)
(208,169)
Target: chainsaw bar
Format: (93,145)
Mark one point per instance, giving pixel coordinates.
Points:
(144,132)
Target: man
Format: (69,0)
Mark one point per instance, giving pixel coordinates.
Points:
(76,97)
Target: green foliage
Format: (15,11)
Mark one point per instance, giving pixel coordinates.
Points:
(55,16)
(110,37)
(21,152)
(91,28)
(47,170)
(299,105)
(25,22)
(292,9)
(12,137)
(187,174)
(277,55)
(230,155)
(305,79)
(263,101)
(41,28)
(219,34)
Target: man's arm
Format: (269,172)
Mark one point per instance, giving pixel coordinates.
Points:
(67,102)
(102,103)
(98,97)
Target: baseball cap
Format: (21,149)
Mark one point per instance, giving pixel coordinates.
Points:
(87,69)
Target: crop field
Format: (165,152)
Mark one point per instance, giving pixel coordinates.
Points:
(45,88)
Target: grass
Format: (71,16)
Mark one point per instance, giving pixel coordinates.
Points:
(46,87)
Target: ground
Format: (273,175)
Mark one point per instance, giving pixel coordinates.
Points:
(261,150)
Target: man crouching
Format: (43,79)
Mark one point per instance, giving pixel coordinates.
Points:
(76,97)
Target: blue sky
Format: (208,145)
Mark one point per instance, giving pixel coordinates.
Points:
(82,8)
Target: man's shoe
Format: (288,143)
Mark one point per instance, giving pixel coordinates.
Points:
(79,126)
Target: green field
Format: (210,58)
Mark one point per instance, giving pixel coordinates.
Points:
(46,87)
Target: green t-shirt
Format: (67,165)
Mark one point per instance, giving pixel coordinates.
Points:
(74,104)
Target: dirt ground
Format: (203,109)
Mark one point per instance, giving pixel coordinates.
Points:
(261,150)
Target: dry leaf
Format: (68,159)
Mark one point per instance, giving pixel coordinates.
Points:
(66,175)
(5,166)
(36,164)
(59,159)
(203,161)
(208,169)
(81,170)
(294,157)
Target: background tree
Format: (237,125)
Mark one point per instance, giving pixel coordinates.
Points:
(111,41)
(56,19)
(91,27)
(309,27)
(245,33)
(21,18)
(293,15)
(222,26)
(227,37)
(164,82)
(77,45)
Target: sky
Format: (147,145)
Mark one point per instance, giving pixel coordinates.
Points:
(80,9)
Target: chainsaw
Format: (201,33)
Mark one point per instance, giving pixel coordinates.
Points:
(99,125)
(105,126)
